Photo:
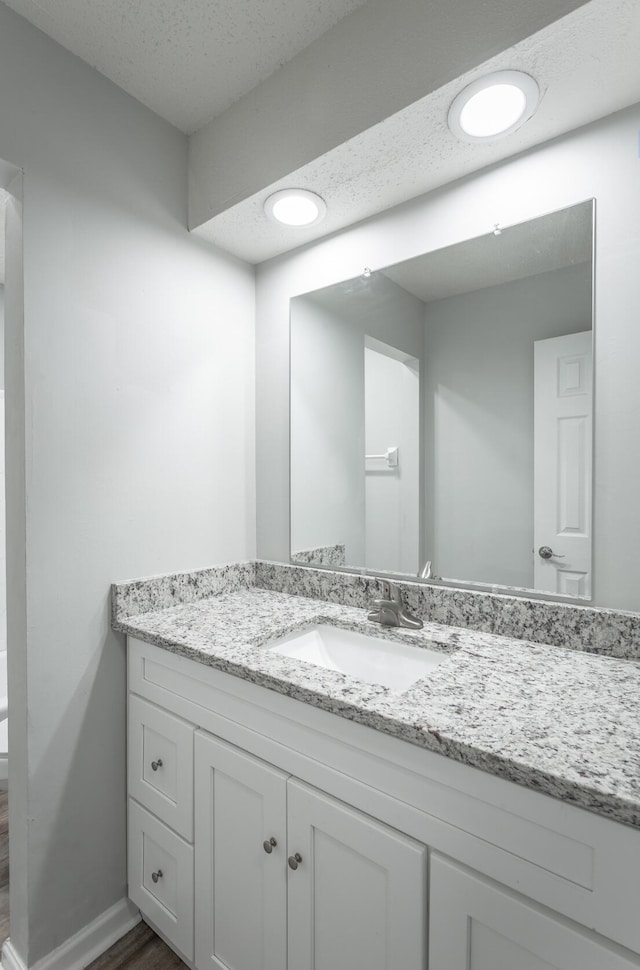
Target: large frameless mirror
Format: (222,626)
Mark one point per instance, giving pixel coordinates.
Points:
(441,413)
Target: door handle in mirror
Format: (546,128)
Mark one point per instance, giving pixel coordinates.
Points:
(545,552)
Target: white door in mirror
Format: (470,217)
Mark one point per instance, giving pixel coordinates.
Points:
(562,464)
(389,663)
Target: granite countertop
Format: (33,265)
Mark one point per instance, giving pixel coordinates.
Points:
(559,721)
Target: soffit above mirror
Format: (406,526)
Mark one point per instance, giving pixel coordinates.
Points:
(585,64)
(378,78)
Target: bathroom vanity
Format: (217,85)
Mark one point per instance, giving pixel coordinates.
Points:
(284,815)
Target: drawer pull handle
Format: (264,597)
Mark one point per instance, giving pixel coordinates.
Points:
(156,764)
(156,875)
(294,860)
(269,845)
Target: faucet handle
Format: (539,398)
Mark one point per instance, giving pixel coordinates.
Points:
(391,592)
(386,615)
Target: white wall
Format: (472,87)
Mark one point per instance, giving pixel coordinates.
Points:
(600,160)
(2,336)
(328,405)
(137,450)
(479,420)
(3,556)
(392,494)
(327,431)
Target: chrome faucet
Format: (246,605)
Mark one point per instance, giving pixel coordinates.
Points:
(391,611)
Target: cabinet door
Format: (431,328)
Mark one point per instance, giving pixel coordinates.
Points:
(478,925)
(241,895)
(357,899)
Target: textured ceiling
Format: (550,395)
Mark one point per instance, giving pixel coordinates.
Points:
(554,241)
(586,65)
(551,242)
(187,60)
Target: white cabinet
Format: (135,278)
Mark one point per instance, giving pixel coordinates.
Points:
(287,876)
(160,821)
(161,877)
(357,900)
(518,880)
(160,769)
(480,925)
(241,889)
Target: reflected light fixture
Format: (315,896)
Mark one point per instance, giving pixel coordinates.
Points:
(295,207)
(493,106)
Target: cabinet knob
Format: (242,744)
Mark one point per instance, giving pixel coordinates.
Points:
(269,845)
(156,875)
(294,860)
(156,764)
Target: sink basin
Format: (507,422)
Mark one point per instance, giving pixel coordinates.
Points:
(391,664)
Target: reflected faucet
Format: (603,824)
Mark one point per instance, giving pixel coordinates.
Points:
(427,571)
(391,611)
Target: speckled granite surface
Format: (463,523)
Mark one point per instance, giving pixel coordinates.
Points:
(321,556)
(609,632)
(160,592)
(562,722)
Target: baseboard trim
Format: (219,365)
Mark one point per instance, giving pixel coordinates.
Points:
(85,946)
(10,959)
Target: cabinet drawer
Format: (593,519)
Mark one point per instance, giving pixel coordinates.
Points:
(160,871)
(161,764)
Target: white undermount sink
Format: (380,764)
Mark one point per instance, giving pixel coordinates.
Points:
(391,664)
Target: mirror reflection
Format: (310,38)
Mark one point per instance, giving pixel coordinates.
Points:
(441,413)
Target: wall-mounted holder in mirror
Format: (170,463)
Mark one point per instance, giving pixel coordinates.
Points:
(474,362)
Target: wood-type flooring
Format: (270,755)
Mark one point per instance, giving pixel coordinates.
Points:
(140,949)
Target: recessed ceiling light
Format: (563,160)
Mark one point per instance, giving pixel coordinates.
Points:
(295,207)
(493,106)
